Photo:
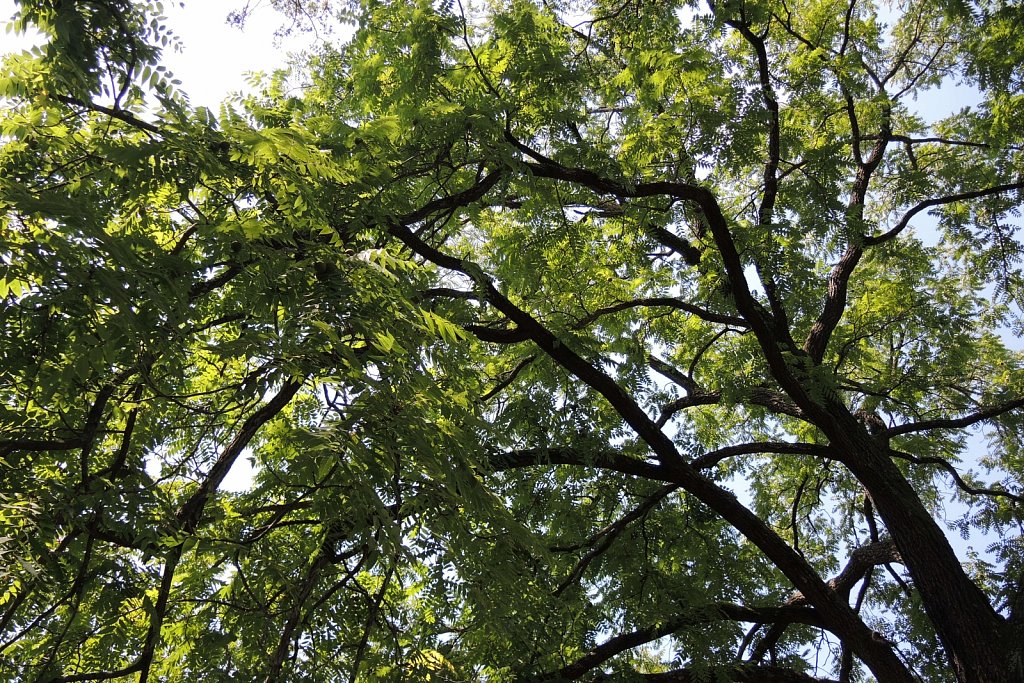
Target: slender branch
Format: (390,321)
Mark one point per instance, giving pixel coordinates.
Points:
(288,633)
(119,114)
(704,614)
(940,201)
(951,471)
(190,512)
(906,139)
(712,458)
(159,612)
(770,176)
(604,539)
(145,659)
(759,396)
(771,164)
(449,202)
(510,377)
(663,301)
(605,460)
(371,617)
(708,398)
(956,422)
(751,310)
(100,675)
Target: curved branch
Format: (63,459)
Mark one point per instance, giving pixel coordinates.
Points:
(605,460)
(954,423)
(602,540)
(738,673)
(756,317)
(712,458)
(946,466)
(453,201)
(862,560)
(758,396)
(939,201)
(663,301)
(705,614)
(510,377)
(119,114)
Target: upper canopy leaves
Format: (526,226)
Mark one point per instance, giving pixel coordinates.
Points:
(504,305)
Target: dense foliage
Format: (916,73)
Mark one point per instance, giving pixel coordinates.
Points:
(569,341)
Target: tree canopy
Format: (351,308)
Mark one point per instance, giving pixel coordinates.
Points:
(570,340)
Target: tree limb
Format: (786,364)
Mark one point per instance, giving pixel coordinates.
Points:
(758,396)
(606,460)
(705,614)
(603,540)
(737,673)
(939,201)
(189,514)
(951,471)
(663,301)
(119,114)
(712,458)
(956,422)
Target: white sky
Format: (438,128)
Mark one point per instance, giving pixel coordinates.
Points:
(215,57)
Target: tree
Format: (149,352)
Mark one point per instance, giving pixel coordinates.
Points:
(571,341)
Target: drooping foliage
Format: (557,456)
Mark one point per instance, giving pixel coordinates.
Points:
(624,340)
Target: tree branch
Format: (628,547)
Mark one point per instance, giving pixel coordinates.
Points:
(737,673)
(189,514)
(939,201)
(839,279)
(759,396)
(602,540)
(665,301)
(860,562)
(704,614)
(954,423)
(508,379)
(712,458)
(838,615)
(605,460)
(119,114)
(951,471)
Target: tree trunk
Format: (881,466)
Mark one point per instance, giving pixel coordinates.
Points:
(969,628)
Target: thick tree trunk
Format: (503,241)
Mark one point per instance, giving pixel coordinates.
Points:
(971,631)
